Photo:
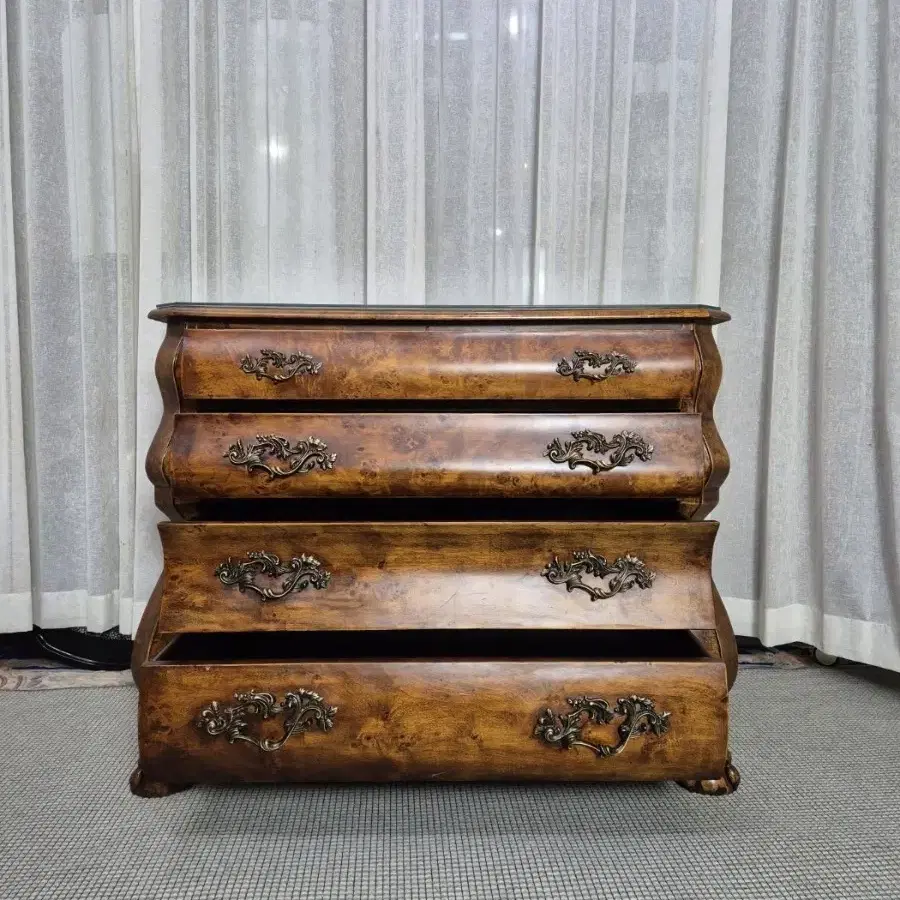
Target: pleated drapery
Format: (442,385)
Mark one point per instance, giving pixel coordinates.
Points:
(449,152)
(811,398)
(437,151)
(68,270)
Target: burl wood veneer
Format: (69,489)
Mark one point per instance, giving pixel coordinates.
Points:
(546,610)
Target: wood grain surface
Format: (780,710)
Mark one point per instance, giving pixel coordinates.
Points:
(718,461)
(438,454)
(437,575)
(439,642)
(488,363)
(433,720)
(167,379)
(267,313)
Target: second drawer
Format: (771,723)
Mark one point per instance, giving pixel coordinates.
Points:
(429,454)
(395,575)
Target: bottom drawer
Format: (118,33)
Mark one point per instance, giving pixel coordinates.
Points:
(442,719)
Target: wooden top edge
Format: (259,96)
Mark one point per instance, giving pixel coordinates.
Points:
(677,524)
(424,315)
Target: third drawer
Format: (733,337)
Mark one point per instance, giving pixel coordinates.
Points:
(243,577)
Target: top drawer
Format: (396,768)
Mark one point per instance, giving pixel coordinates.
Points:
(649,363)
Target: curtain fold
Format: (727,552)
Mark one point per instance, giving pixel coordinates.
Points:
(437,151)
(631,125)
(15,561)
(447,152)
(69,307)
(808,549)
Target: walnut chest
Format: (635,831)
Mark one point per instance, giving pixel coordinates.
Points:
(444,543)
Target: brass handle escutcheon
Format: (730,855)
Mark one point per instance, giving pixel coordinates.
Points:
(278,367)
(626,572)
(300,573)
(565,730)
(595,366)
(302,457)
(620,450)
(303,710)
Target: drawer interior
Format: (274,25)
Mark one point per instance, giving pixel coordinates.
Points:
(450,644)
(438,509)
(585,405)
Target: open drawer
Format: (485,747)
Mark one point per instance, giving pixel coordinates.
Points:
(432,706)
(275,576)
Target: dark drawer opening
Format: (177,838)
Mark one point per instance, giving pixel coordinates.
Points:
(433,509)
(315,406)
(435,645)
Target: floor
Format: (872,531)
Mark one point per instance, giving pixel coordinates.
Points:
(817,815)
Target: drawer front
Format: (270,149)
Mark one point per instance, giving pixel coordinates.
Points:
(437,454)
(393,363)
(383,721)
(299,576)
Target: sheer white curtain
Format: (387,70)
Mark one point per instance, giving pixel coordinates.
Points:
(810,405)
(67,276)
(460,151)
(445,151)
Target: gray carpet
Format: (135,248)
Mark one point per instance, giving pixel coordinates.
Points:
(818,815)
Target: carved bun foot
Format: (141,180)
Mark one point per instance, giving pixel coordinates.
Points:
(141,786)
(727,783)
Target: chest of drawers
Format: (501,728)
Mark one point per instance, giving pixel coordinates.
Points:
(436,544)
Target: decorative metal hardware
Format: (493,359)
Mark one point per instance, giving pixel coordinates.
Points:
(622,449)
(303,710)
(565,730)
(625,573)
(304,457)
(301,572)
(596,366)
(267,364)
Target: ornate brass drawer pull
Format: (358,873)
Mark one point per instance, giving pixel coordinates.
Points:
(304,457)
(301,572)
(303,710)
(596,366)
(625,573)
(278,366)
(620,450)
(565,730)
